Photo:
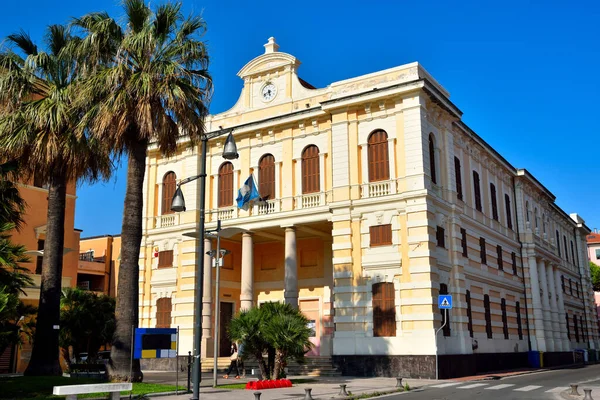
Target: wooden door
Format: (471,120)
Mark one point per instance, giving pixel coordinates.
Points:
(225,317)
(310,308)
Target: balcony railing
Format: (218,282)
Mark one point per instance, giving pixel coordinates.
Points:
(167,220)
(226,213)
(89,256)
(378,189)
(267,207)
(310,200)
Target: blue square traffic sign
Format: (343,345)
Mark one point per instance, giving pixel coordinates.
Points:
(445,301)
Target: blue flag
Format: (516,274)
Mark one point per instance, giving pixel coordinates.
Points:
(247,194)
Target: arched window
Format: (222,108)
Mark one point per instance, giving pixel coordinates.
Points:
(384,310)
(457,175)
(535,214)
(379,165)
(266,177)
(163,312)
(477,190)
(226,184)
(168,190)
(432,158)
(494,201)
(310,169)
(508,211)
(543,223)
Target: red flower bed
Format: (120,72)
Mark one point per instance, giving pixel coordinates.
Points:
(268,384)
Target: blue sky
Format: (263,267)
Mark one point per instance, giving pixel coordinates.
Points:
(524,73)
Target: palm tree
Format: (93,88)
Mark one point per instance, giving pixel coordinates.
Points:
(246,328)
(38,121)
(148,84)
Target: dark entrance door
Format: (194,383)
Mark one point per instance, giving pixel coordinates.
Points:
(224,318)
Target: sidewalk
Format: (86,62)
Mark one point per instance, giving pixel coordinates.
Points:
(320,389)
(595,392)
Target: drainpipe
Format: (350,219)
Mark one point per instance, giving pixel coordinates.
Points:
(522,267)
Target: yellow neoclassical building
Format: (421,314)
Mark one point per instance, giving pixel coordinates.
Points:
(377,198)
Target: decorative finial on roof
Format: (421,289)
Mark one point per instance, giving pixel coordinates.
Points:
(271,46)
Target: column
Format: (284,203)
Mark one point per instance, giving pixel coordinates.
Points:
(554,308)
(561,311)
(538,318)
(546,306)
(247,285)
(291,268)
(207,295)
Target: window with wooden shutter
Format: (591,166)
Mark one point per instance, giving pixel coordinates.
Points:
(458,178)
(432,159)
(310,170)
(494,201)
(482,250)
(165,259)
(225,194)
(384,310)
(477,190)
(499,257)
(463,242)
(266,177)
(508,211)
(558,243)
(378,158)
(504,318)
(441,236)
(513,256)
(380,235)
(469,314)
(445,313)
(163,312)
(488,316)
(168,190)
(570,287)
(519,322)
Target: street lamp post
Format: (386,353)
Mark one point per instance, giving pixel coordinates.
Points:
(178,205)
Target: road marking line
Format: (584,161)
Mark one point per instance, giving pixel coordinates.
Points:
(498,387)
(527,388)
(443,385)
(557,389)
(473,386)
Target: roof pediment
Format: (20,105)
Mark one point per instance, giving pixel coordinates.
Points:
(269,61)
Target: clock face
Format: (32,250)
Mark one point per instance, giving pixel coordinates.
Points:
(269,91)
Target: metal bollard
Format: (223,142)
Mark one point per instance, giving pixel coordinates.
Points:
(574,391)
(189,368)
(399,382)
(343,391)
(307,394)
(257,395)
(588,394)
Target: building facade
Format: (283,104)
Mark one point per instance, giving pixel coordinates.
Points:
(377,198)
(99,259)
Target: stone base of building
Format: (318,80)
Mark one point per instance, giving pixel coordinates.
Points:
(450,366)
(164,364)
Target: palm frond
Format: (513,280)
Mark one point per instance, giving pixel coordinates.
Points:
(24,42)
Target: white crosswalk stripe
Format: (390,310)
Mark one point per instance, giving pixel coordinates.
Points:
(527,388)
(498,387)
(443,385)
(557,389)
(474,385)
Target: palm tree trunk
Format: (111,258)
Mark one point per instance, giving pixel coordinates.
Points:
(45,354)
(261,365)
(126,310)
(278,365)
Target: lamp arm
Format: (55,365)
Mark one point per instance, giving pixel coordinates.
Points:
(189,179)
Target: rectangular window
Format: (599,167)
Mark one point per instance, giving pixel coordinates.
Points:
(558,243)
(597,253)
(445,313)
(163,312)
(500,261)
(568,325)
(440,236)
(504,318)
(384,310)
(571,286)
(513,257)
(582,328)
(457,174)
(482,251)
(494,201)
(165,259)
(469,314)
(39,259)
(463,241)
(577,289)
(477,191)
(566,254)
(508,211)
(572,252)
(576,328)
(519,322)
(488,316)
(381,235)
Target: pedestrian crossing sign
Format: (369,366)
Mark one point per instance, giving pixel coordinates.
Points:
(445,301)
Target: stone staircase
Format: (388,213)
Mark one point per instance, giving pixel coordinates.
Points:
(313,366)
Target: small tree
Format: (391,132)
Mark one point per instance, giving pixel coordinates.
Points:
(246,328)
(87,322)
(595,272)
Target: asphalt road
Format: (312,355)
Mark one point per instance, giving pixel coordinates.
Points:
(541,385)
